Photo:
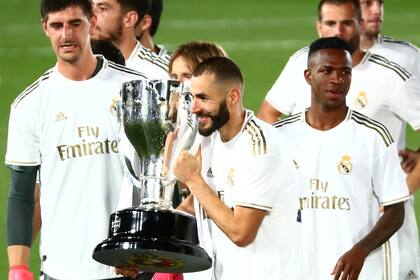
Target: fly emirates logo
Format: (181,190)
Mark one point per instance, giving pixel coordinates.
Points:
(319,198)
(87,147)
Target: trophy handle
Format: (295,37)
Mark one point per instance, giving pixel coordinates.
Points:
(133,178)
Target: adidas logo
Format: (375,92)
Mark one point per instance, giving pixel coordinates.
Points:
(210,173)
(60,117)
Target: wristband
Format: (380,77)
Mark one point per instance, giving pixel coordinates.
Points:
(168,276)
(20,272)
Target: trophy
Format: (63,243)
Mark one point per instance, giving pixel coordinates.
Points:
(157,120)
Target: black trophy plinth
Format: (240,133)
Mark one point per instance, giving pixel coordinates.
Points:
(153,241)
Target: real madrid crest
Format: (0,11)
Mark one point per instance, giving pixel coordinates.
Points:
(345,166)
(113,106)
(230,177)
(361,100)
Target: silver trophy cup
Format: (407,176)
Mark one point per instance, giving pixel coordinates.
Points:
(158,122)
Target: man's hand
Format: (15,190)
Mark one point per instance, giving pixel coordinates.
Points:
(187,167)
(350,264)
(409,159)
(128,271)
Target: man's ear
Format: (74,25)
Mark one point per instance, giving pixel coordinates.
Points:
(318,25)
(308,76)
(92,22)
(234,95)
(145,24)
(44,26)
(130,19)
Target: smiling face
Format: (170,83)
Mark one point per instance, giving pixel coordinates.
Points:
(340,21)
(69,32)
(329,75)
(209,105)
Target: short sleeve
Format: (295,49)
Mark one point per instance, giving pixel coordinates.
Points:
(286,93)
(22,139)
(389,181)
(262,181)
(406,102)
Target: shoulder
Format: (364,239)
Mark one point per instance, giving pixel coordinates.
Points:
(389,66)
(375,129)
(159,61)
(401,45)
(33,88)
(123,70)
(293,119)
(300,54)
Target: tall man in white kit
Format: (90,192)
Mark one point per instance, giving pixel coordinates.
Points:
(348,169)
(380,89)
(242,181)
(65,126)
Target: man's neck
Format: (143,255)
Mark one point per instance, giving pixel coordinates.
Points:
(367,41)
(321,119)
(357,56)
(126,44)
(79,71)
(233,126)
(147,42)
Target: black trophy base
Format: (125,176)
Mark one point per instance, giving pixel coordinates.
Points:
(153,241)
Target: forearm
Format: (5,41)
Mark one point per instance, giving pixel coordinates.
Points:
(387,225)
(18,255)
(413,178)
(37,222)
(187,205)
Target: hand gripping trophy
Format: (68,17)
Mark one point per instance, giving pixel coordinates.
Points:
(157,120)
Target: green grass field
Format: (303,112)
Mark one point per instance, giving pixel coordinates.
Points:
(258,35)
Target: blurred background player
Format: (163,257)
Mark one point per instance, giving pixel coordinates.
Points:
(78,132)
(117,22)
(350,165)
(148,27)
(380,89)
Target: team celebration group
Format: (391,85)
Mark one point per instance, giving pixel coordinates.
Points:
(317,185)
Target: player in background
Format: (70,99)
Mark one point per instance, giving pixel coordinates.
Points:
(148,27)
(380,89)
(349,164)
(65,126)
(242,180)
(117,22)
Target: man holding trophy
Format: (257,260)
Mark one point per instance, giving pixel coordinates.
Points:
(242,180)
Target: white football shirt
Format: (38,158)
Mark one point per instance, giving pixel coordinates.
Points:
(345,173)
(147,62)
(70,129)
(252,170)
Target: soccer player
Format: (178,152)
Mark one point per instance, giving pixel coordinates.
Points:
(350,164)
(380,89)
(242,181)
(65,126)
(148,27)
(117,22)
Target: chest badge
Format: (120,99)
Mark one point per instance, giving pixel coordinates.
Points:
(361,101)
(345,166)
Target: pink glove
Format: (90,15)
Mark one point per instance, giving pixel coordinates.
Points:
(20,272)
(167,276)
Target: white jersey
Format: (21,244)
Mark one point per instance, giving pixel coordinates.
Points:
(343,173)
(252,170)
(380,89)
(147,62)
(402,52)
(70,129)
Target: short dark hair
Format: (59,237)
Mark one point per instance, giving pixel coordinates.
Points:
(49,6)
(141,7)
(223,68)
(155,13)
(328,43)
(355,3)
(196,51)
(108,50)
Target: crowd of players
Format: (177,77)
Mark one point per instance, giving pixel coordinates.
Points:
(323,193)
